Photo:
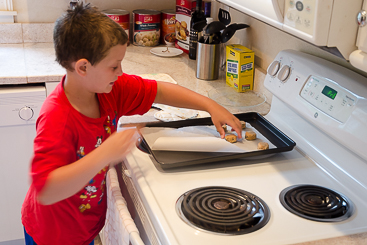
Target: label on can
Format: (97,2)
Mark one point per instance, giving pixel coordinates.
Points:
(168,35)
(182,27)
(146,27)
(122,17)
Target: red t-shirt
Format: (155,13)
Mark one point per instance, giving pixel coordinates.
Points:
(63,136)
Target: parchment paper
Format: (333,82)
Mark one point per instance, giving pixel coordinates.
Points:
(199,139)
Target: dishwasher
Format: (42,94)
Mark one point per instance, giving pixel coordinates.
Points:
(19,108)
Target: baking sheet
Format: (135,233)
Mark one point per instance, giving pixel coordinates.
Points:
(182,155)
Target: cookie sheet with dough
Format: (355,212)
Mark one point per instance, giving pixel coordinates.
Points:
(198,139)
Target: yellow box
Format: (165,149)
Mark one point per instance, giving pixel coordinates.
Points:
(240,67)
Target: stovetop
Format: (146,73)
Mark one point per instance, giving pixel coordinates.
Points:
(330,134)
(265,178)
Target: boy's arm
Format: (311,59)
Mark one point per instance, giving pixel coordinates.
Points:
(65,181)
(175,95)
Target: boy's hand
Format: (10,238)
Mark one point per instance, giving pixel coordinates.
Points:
(116,147)
(221,116)
(175,95)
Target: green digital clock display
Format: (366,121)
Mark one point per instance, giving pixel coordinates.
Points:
(329,92)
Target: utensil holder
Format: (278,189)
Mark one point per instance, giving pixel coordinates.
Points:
(207,61)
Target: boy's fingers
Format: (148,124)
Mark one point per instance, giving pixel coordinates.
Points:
(220,131)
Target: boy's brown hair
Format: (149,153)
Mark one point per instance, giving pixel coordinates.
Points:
(85,32)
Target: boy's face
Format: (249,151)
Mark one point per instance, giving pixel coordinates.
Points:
(101,76)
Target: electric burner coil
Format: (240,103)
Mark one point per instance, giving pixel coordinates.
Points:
(223,210)
(316,203)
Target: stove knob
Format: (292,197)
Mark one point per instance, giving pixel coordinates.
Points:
(26,113)
(273,68)
(283,74)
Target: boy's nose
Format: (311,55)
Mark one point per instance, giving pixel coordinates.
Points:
(119,71)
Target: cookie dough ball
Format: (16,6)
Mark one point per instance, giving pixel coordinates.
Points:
(250,135)
(231,138)
(262,146)
(243,124)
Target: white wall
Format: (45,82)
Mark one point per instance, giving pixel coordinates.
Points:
(46,11)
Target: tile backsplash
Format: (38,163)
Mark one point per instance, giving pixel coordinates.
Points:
(26,33)
(11,33)
(37,32)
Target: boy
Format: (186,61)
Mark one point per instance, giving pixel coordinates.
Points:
(76,140)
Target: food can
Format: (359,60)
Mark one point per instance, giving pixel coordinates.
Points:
(168,35)
(120,16)
(147,25)
(182,26)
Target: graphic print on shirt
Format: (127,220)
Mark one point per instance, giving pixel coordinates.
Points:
(99,141)
(80,153)
(114,120)
(102,189)
(107,126)
(110,124)
(89,192)
(92,189)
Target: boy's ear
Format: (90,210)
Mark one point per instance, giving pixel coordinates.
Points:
(81,67)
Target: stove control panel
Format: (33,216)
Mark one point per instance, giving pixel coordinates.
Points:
(329,97)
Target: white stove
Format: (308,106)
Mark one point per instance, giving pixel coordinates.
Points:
(322,107)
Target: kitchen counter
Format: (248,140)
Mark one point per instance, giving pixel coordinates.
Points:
(139,60)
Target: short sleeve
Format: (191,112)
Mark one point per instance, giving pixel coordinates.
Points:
(134,95)
(53,147)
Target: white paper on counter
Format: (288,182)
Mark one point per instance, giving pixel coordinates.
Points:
(203,138)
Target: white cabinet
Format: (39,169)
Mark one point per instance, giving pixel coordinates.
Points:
(19,109)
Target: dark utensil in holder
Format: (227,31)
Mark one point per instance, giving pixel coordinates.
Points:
(213,27)
(230,30)
(224,16)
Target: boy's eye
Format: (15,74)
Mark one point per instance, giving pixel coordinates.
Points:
(114,68)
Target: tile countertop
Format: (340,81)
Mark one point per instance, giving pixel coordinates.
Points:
(35,63)
(28,63)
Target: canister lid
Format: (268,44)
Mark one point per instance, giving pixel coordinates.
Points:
(168,11)
(146,11)
(115,11)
